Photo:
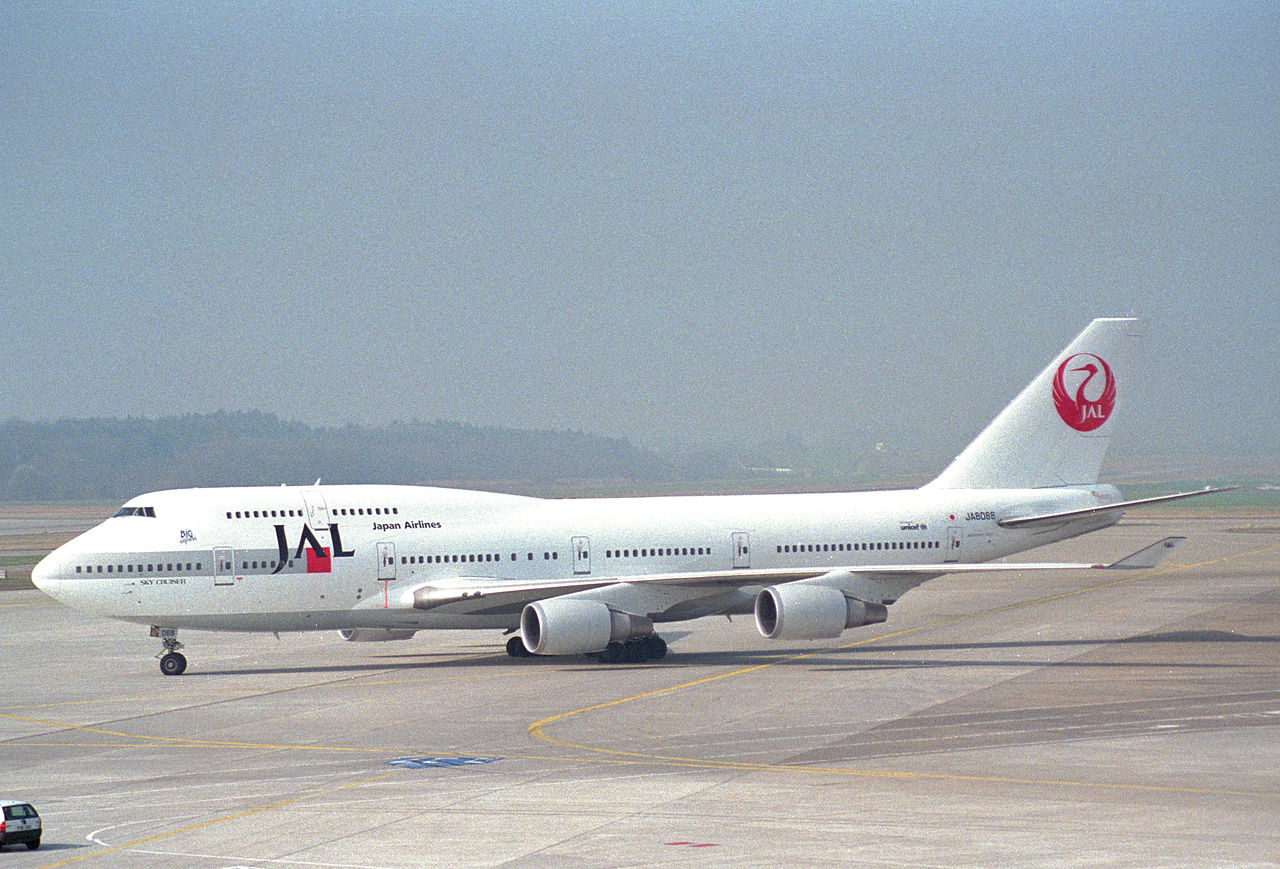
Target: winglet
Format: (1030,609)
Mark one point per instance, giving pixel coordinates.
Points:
(1149,557)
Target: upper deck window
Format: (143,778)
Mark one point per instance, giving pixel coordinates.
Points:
(136,511)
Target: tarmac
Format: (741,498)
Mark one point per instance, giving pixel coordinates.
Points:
(1082,718)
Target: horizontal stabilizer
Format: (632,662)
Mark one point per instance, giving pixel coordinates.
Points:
(1149,557)
(1069,515)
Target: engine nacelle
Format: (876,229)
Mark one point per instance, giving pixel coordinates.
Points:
(564,626)
(374,635)
(812,612)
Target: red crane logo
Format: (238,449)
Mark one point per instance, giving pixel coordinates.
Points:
(1080,411)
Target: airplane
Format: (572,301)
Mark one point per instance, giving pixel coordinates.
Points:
(594,576)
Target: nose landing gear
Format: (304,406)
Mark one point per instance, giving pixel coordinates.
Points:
(172,662)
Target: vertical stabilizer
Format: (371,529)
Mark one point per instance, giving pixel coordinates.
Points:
(1056,432)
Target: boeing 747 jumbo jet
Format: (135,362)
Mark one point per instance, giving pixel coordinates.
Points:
(594,576)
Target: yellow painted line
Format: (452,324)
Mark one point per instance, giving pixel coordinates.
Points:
(810,772)
(747,766)
(243,694)
(359,682)
(185,742)
(18,742)
(537,730)
(189,696)
(210,823)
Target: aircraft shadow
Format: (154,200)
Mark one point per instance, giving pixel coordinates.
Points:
(402,663)
(858,658)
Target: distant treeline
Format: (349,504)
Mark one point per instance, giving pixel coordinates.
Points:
(114,459)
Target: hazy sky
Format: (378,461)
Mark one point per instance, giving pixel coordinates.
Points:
(843,222)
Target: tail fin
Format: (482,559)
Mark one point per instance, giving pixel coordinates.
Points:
(1056,432)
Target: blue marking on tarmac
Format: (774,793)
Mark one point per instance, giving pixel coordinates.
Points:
(436,762)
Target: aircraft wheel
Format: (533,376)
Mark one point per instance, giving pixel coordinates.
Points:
(656,647)
(173,664)
(612,654)
(636,651)
(516,649)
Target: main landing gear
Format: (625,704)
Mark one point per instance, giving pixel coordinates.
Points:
(636,650)
(172,662)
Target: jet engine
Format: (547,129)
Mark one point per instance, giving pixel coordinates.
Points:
(812,612)
(565,626)
(374,635)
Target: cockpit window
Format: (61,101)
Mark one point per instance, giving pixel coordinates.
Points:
(136,511)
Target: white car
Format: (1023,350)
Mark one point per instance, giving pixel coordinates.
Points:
(21,823)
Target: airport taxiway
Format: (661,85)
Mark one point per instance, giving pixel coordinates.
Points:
(1074,719)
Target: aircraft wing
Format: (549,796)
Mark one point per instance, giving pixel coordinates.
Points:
(496,593)
(1068,515)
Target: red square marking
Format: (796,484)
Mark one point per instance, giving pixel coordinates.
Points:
(318,563)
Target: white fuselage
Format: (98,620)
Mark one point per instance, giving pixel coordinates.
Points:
(350,557)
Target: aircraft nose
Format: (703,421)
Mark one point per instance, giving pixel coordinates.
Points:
(43,575)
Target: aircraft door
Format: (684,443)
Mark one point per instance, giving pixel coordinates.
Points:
(224,566)
(317,510)
(581,555)
(386,562)
(741,549)
(952,552)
